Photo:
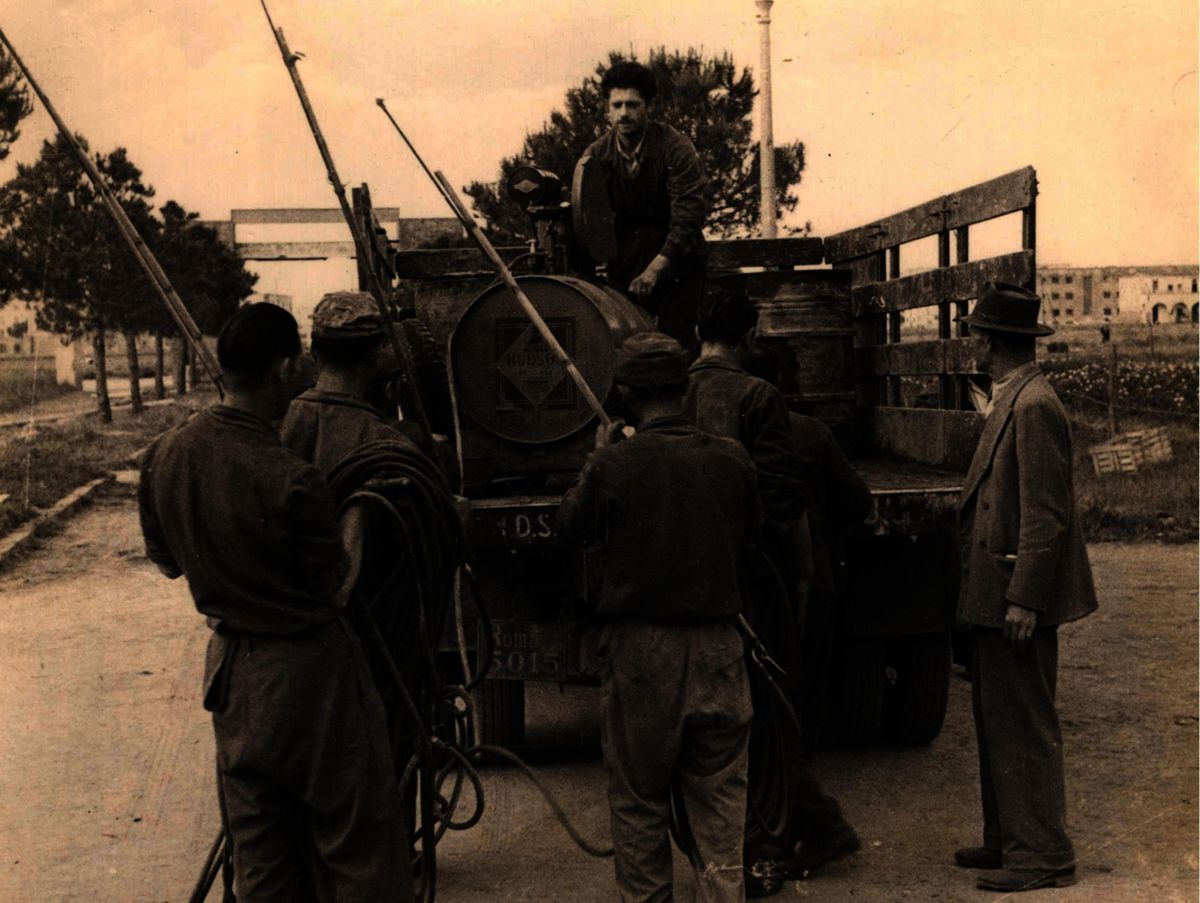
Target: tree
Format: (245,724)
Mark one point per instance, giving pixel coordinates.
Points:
(208,275)
(706,98)
(14,102)
(61,249)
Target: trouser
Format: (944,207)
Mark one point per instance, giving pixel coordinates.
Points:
(676,710)
(305,771)
(817,654)
(1020,749)
(676,304)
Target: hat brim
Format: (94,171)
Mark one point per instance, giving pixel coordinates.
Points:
(1038,329)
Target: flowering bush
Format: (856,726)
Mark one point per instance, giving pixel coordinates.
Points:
(1142,386)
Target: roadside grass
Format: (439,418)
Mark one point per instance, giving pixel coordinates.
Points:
(21,383)
(39,467)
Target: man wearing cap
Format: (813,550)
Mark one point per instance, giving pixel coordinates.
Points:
(308,795)
(672,510)
(1025,571)
(333,418)
(658,196)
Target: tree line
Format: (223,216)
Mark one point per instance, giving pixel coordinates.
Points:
(60,249)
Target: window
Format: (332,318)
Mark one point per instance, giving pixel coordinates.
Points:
(17,348)
(1117,295)
(1170,287)
(1070,311)
(1108,311)
(1054,279)
(3,348)
(1193,286)
(1054,311)
(1070,295)
(1154,286)
(1068,279)
(1054,295)
(1108,294)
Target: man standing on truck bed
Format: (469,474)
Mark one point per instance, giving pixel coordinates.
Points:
(659,198)
(303,764)
(673,511)
(1025,572)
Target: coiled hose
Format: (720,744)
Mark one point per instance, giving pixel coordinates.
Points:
(416,535)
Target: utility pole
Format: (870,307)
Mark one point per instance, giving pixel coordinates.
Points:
(766,138)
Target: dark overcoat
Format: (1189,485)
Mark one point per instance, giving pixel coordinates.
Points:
(1017,515)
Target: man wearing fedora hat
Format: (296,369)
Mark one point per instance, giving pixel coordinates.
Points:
(1025,571)
(672,511)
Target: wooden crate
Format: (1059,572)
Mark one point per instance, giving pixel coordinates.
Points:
(1131,452)
(1153,445)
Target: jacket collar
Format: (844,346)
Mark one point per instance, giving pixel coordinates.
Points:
(993,428)
(653,142)
(716,362)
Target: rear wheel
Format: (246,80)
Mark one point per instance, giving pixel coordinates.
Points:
(915,703)
(858,681)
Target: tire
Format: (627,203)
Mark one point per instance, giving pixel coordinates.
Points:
(915,703)
(501,712)
(855,698)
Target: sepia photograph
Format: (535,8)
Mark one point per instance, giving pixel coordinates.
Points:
(629,450)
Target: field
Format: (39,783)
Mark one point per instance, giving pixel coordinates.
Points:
(1155,387)
(39,465)
(20,383)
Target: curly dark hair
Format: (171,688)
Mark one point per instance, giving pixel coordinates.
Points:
(630,75)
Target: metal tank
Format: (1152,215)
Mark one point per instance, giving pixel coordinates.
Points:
(519,414)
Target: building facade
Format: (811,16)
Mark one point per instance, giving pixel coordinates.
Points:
(300,254)
(1150,294)
(20,337)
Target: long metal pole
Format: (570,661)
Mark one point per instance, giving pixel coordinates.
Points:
(450,196)
(412,404)
(766,128)
(175,306)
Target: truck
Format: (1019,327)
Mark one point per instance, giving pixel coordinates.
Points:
(870,344)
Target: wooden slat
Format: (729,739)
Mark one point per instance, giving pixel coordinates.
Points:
(430,264)
(916,358)
(956,283)
(938,438)
(765,252)
(987,200)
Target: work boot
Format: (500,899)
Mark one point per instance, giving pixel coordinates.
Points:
(1013,881)
(764,879)
(977,858)
(813,854)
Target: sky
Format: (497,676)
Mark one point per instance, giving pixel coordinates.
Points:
(896,102)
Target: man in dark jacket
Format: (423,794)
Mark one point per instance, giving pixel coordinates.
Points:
(1025,572)
(303,763)
(839,499)
(725,400)
(672,510)
(658,195)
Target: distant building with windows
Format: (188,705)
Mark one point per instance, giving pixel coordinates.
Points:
(300,254)
(20,337)
(1149,294)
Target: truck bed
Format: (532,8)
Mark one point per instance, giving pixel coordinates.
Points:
(893,476)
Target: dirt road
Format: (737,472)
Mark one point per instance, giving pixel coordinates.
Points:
(105,760)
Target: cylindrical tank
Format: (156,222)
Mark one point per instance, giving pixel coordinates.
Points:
(518,408)
(805,314)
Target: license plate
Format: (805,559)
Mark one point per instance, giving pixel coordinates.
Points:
(526,650)
(515,525)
